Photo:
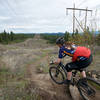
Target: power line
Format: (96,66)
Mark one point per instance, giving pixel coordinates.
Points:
(8,9)
(9,5)
(81,3)
(74,17)
(13,12)
(5,5)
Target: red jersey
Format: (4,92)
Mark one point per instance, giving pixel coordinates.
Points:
(81,52)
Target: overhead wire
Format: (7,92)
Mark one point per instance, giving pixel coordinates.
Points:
(9,5)
(9,9)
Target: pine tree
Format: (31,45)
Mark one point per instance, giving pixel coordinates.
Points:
(11,36)
(76,32)
(5,35)
(67,36)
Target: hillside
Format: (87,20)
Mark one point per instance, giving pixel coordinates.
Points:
(28,63)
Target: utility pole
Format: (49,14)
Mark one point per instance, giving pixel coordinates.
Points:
(74,18)
(86,18)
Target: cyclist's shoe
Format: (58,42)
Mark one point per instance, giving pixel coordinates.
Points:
(84,79)
(67,82)
(84,82)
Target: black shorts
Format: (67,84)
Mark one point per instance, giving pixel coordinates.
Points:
(79,65)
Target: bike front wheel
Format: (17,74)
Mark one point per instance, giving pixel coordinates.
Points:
(56,75)
(90,90)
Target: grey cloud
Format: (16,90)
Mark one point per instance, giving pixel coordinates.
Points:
(37,15)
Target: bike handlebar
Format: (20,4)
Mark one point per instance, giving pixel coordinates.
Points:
(51,63)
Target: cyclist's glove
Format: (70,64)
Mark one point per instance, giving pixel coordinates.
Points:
(51,63)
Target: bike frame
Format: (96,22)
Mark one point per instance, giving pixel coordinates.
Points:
(62,66)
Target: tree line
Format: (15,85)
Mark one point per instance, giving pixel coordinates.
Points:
(49,37)
(6,38)
(86,38)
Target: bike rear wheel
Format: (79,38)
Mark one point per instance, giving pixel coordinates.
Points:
(56,75)
(90,90)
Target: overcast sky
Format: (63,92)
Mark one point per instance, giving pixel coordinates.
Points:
(44,15)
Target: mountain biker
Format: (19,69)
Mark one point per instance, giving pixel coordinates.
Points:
(81,58)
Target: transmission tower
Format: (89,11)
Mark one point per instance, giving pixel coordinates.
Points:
(75,19)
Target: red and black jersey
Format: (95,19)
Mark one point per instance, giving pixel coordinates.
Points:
(80,53)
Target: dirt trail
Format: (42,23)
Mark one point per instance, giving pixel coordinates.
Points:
(44,83)
(49,90)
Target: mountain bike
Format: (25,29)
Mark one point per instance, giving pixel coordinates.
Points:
(88,91)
